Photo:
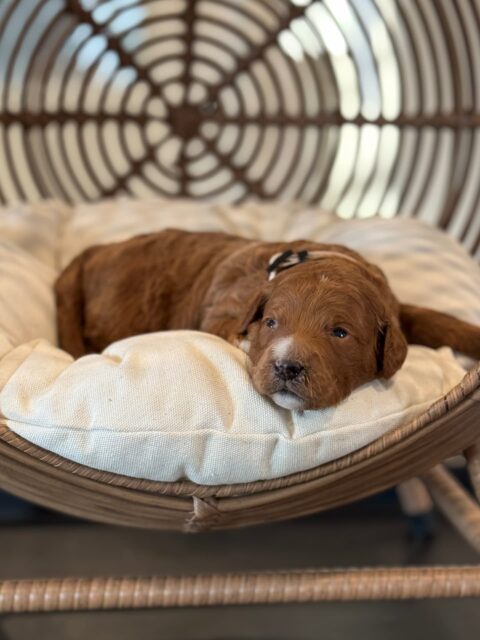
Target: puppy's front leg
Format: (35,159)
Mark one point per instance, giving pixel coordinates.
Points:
(231,315)
(223,326)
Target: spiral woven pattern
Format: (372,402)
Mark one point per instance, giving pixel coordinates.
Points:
(363,106)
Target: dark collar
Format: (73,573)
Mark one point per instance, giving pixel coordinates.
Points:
(287,259)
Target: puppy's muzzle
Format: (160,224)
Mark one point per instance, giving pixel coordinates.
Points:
(288,369)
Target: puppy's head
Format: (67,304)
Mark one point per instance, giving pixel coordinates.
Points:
(321,329)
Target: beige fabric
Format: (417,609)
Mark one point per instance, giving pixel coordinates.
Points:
(35,228)
(114,220)
(27,307)
(423,265)
(180,404)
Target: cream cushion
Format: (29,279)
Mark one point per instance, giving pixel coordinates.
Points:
(423,265)
(180,404)
(26,296)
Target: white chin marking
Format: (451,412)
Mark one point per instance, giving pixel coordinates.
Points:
(288,400)
(281,347)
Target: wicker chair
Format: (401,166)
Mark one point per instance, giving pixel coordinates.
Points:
(362,108)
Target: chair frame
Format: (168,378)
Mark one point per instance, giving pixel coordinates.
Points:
(448,427)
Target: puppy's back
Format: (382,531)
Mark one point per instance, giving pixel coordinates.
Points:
(147,283)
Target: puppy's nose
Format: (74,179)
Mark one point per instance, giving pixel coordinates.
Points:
(288,369)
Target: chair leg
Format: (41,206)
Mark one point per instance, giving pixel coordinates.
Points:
(417,506)
(455,503)
(472,456)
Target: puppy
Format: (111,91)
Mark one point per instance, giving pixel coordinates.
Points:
(316,320)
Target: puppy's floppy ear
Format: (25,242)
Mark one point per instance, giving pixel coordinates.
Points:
(253,310)
(391,348)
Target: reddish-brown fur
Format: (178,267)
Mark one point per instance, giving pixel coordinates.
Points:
(218,283)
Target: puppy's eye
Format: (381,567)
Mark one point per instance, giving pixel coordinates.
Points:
(339,332)
(270,323)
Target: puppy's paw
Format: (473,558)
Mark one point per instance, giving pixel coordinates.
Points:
(241,342)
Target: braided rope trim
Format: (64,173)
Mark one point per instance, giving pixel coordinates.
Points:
(88,594)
